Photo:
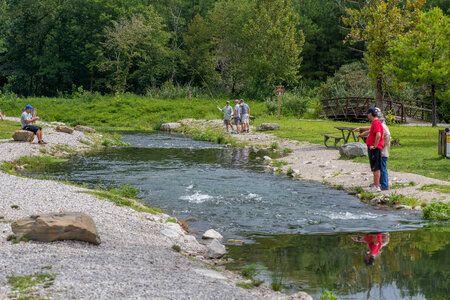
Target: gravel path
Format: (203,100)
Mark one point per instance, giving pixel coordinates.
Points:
(134,260)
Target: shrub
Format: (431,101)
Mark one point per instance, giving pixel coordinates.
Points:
(437,211)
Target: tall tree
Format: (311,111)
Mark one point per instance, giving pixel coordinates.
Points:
(200,62)
(273,46)
(133,45)
(378,23)
(422,55)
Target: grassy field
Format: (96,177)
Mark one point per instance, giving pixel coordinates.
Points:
(417,153)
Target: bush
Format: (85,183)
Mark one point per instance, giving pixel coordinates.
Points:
(437,211)
(294,105)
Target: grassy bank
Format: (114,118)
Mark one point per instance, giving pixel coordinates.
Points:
(7,128)
(417,153)
(125,111)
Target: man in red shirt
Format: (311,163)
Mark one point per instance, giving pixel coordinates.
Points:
(375,143)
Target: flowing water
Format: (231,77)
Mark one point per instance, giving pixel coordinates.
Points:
(300,231)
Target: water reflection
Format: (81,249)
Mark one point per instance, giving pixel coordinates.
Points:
(408,265)
(374,241)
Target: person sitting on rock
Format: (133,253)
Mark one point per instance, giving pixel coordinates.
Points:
(27,119)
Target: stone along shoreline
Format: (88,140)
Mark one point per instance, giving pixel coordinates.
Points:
(135,260)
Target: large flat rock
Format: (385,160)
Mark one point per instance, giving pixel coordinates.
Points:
(56,227)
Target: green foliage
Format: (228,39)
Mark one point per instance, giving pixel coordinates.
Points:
(396,198)
(171,220)
(127,191)
(245,285)
(422,55)
(379,23)
(15,206)
(7,128)
(437,211)
(251,271)
(26,287)
(274,146)
(328,295)
(436,187)
(293,104)
(176,248)
(351,79)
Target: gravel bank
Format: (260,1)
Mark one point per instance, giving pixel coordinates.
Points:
(134,260)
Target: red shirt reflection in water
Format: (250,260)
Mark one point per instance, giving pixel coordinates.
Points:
(374,243)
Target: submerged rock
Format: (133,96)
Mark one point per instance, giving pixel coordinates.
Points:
(353,149)
(56,227)
(23,136)
(215,249)
(212,234)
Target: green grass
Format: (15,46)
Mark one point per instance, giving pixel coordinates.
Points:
(418,153)
(7,129)
(436,187)
(120,200)
(245,285)
(395,198)
(437,211)
(26,287)
(31,163)
(126,111)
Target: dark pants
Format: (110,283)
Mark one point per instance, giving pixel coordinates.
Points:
(32,128)
(375,159)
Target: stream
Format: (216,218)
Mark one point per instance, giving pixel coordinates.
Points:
(300,235)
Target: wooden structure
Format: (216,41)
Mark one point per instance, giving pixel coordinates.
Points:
(355,108)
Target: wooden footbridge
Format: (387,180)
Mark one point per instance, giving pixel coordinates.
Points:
(355,108)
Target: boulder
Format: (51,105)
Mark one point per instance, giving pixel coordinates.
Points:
(268,126)
(215,249)
(353,149)
(170,126)
(23,136)
(212,234)
(56,227)
(301,296)
(84,129)
(64,129)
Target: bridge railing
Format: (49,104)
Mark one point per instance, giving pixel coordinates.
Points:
(355,108)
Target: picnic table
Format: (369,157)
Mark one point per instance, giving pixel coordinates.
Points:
(346,133)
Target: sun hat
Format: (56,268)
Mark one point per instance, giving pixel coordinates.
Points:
(241,101)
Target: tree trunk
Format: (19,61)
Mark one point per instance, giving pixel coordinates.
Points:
(379,95)
(433,106)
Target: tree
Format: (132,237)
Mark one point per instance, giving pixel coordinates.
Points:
(227,21)
(274,44)
(133,46)
(200,62)
(422,55)
(378,23)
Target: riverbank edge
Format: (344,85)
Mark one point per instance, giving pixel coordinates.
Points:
(214,265)
(289,150)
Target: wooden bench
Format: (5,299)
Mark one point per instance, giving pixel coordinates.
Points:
(337,139)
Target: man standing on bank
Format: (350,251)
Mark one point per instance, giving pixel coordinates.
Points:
(227,114)
(27,119)
(245,115)
(375,143)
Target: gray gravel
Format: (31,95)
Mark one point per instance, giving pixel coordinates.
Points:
(134,261)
